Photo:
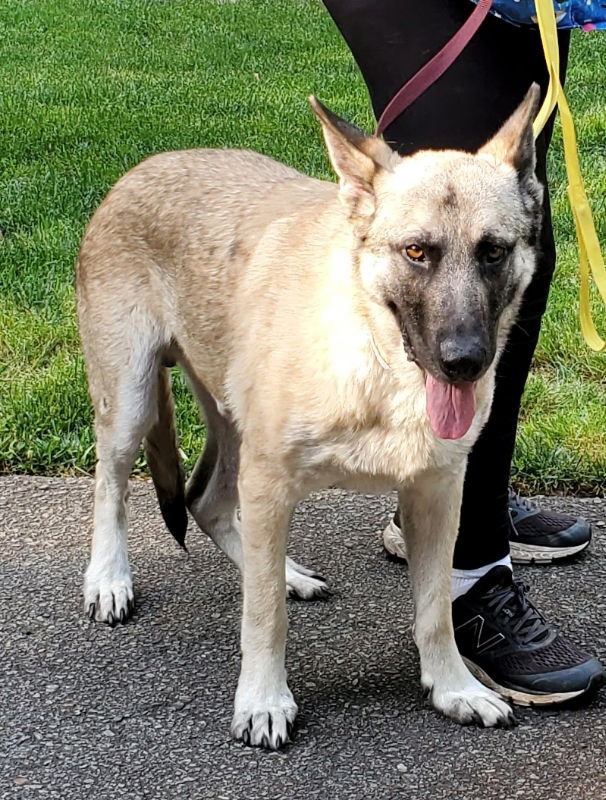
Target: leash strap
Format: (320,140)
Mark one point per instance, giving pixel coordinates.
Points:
(434,68)
(590,256)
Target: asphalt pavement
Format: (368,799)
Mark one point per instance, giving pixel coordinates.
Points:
(142,711)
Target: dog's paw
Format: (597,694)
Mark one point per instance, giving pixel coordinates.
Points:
(267,725)
(109,600)
(304,584)
(474,704)
(394,543)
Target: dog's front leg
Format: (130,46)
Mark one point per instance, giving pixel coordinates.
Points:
(430,510)
(265,709)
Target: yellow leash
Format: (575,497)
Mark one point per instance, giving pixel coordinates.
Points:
(591,260)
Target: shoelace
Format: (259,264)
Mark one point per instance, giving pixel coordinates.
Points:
(525,621)
(523,502)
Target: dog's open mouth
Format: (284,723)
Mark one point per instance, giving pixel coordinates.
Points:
(450,406)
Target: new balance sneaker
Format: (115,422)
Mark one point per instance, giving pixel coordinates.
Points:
(541,537)
(536,536)
(508,645)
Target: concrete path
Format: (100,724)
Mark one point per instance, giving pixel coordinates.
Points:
(143,711)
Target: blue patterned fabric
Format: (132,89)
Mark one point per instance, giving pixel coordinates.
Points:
(587,14)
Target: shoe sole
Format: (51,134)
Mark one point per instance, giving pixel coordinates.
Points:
(535,554)
(395,547)
(520,698)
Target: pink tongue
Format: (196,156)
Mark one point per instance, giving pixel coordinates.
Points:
(450,407)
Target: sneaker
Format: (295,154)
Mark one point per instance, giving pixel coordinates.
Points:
(536,536)
(508,646)
(542,537)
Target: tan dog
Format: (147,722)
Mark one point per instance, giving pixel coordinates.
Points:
(333,336)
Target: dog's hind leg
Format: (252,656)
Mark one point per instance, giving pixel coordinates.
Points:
(430,510)
(211,493)
(123,385)
(212,498)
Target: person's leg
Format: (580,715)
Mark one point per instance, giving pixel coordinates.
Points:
(485,524)
(513,650)
(391,40)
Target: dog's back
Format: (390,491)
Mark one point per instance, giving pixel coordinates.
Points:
(175,223)
(185,251)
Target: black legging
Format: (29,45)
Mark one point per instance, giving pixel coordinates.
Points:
(390,40)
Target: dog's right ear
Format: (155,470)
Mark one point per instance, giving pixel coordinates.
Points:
(355,157)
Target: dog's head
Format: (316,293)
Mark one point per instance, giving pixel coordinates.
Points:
(446,241)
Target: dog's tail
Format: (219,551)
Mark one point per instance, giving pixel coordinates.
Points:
(164,462)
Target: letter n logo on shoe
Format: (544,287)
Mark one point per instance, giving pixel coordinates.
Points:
(473,632)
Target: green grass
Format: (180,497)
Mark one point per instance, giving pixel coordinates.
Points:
(88,89)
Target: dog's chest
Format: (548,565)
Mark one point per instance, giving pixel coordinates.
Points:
(381,443)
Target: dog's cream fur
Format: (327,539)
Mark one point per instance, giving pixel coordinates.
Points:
(261,284)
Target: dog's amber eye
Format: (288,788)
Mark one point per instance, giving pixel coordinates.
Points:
(415,253)
(494,253)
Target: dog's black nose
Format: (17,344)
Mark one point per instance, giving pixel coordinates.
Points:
(462,358)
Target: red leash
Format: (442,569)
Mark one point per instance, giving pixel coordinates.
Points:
(434,68)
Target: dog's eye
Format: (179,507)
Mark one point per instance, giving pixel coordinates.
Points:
(494,254)
(415,253)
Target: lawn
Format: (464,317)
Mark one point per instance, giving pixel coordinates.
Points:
(88,89)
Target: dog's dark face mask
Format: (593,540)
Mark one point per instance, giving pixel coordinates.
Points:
(446,242)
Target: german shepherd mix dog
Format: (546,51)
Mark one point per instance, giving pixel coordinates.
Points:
(333,335)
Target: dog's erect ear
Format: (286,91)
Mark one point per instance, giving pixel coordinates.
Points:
(355,158)
(514,143)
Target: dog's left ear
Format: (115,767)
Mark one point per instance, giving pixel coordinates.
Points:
(355,157)
(514,143)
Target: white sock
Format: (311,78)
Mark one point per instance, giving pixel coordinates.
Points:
(463,579)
